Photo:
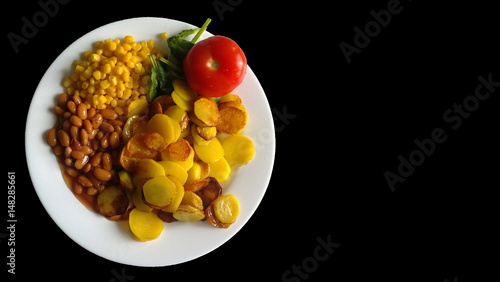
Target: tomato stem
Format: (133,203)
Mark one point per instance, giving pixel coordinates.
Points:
(202,29)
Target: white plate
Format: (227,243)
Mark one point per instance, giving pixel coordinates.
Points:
(179,241)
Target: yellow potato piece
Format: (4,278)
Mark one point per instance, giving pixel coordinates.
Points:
(137,107)
(191,199)
(159,191)
(174,169)
(206,110)
(126,179)
(166,127)
(146,169)
(188,213)
(209,153)
(194,173)
(226,208)
(179,115)
(196,137)
(230,98)
(220,170)
(178,197)
(145,226)
(184,91)
(238,149)
(186,105)
(179,152)
(232,120)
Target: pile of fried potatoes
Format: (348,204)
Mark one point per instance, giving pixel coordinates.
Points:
(177,151)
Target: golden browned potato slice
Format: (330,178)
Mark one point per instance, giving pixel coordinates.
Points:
(141,146)
(206,110)
(232,120)
(206,132)
(191,199)
(113,202)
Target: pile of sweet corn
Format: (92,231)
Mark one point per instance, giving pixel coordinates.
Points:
(112,74)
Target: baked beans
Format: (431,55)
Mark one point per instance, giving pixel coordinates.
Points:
(86,141)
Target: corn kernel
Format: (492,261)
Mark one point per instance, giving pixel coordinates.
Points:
(164,35)
(128,39)
(106,68)
(95,58)
(97,75)
(104,84)
(113,80)
(79,69)
(111,46)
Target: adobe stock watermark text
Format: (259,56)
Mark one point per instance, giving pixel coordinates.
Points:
(453,117)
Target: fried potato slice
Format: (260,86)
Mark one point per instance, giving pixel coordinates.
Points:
(172,207)
(175,169)
(113,202)
(146,169)
(232,120)
(207,132)
(238,149)
(144,226)
(141,146)
(206,110)
(226,208)
(159,191)
(197,185)
(191,199)
(229,98)
(210,152)
(220,170)
(188,213)
(166,127)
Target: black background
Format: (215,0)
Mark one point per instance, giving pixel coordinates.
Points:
(351,122)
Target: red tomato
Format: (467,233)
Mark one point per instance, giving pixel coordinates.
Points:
(215,66)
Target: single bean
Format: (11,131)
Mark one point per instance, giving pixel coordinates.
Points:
(77,100)
(96,121)
(91,191)
(59,110)
(80,163)
(91,112)
(63,99)
(107,127)
(63,137)
(52,137)
(77,187)
(77,155)
(84,137)
(82,179)
(72,172)
(87,124)
(114,140)
(73,131)
(81,111)
(107,161)
(108,113)
(96,159)
(102,174)
(87,150)
(76,121)
(105,141)
(71,107)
